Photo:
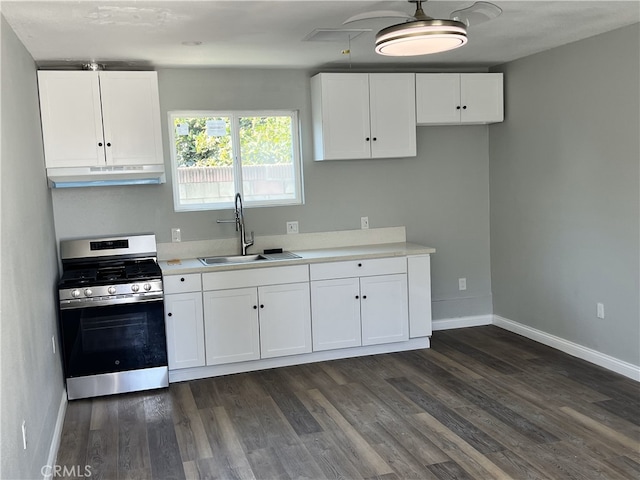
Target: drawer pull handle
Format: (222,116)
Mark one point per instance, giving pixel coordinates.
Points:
(182,279)
(359,264)
(169,314)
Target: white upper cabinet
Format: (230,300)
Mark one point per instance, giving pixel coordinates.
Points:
(459,98)
(360,115)
(95,119)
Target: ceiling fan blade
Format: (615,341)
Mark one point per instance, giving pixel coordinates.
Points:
(378,14)
(476,14)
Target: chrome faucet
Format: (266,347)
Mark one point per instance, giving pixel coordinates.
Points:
(239,221)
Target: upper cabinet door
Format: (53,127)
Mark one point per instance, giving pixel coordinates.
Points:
(71,118)
(438,98)
(131,116)
(340,110)
(481,96)
(392,103)
(459,98)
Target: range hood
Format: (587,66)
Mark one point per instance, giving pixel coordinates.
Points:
(68,177)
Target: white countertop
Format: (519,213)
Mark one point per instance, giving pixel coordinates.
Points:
(401,249)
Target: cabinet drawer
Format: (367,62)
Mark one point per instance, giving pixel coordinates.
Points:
(358,268)
(182,283)
(255,277)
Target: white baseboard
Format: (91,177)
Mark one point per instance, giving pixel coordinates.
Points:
(610,363)
(57,436)
(462,322)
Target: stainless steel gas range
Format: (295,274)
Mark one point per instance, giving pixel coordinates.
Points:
(112,316)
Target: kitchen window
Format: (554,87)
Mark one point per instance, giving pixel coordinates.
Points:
(217,154)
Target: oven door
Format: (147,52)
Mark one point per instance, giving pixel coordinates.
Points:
(113,338)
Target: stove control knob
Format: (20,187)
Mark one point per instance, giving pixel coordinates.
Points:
(111,290)
(88,292)
(75,293)
(147,287)
(135,287)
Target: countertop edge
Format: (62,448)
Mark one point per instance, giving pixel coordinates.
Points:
(358,252)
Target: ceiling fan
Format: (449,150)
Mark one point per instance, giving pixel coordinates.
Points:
(421,34)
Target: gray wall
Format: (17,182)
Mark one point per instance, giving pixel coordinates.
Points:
(565,194)
(31,386)
(441,196)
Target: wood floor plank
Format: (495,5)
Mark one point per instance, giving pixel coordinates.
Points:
(133,446)
(102,454)
(229,459)
(624,466)
(448,471)
(291,407)
(329,457)
(516,466)
(354,446)
(266,461)
(164,451)
(190,433)
(298,461)
(473,461)
(454,422)
(479,356)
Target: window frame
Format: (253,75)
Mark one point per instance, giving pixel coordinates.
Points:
(234,116)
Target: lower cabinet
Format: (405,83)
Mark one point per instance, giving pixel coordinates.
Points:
(383,308)
(363,310)
(336,313)
(236,316)
(285,320)
(231,325)
(183,321)
(258,319)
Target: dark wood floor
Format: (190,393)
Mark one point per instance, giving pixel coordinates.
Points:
(482,403)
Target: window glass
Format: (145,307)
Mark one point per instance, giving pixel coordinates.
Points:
(216,154)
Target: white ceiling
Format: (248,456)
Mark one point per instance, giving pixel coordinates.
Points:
(242,33)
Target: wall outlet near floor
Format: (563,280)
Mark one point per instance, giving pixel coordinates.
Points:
(462,284)
(364,223)
(600,310)
(292,227)
(176,235)
(24,434)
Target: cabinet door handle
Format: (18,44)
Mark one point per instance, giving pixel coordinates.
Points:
(367,139)
(255,307)
(464,108)
(99,144)
(364,297)
(458,107)
(374,139)
(357,297)
(261,306)
(108,144)
(169,314)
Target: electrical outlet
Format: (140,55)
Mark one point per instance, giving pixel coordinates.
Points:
(176,235)
(364,223)
(24,434)
(462,284)
(292,227)
(600,310)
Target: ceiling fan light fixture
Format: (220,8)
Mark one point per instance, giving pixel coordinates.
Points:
(421,37)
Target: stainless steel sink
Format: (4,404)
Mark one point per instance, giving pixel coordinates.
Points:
(231,259)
